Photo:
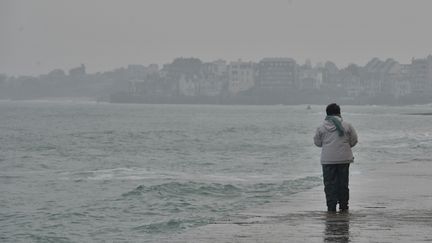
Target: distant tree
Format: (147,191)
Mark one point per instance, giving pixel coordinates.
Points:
(3,78)
(331,67)
(353,69)
(78,71)
(184,66)
(56,75)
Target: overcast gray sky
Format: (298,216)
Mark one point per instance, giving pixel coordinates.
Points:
(38,36)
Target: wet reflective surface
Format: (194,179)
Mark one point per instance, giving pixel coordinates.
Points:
(390,204)
(337,227)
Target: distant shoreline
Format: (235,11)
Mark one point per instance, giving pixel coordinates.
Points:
(271,98)
(420,114)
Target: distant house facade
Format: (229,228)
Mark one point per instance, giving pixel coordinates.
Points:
(214,78)
(421,75)
(383,78)
(310,78)
(277,73)
(403,84)
(241,76)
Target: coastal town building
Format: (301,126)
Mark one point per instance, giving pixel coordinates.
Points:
(277,73)
(381,77)
(421,75)
(271,81)
(217,68)
(310,78)
(241,76)
(403,84)
(330,74)
(351,82)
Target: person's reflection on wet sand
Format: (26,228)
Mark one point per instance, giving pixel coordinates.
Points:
(337,227)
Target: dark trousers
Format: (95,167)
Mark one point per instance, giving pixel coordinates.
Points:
(336,185)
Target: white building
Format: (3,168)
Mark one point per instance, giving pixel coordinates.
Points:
(241,76)
(310,78)
(421,75)
(219,67)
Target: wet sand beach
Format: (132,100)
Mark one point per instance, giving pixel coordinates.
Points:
(390,203)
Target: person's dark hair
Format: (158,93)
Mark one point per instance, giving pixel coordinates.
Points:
(333,110)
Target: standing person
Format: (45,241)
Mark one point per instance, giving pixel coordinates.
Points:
(336,138)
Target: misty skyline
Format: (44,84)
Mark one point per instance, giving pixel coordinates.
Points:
(39,36)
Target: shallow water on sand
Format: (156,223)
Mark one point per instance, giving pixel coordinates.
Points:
(74,172)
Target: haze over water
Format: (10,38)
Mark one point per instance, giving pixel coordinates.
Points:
(81,171)
(40,36)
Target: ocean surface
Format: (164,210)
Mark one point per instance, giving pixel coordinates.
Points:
(73,171)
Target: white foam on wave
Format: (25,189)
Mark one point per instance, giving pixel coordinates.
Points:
(136,173)
(121,173)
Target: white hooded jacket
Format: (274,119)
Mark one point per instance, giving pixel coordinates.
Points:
(335,149)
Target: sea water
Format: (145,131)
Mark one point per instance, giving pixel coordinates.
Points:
(83,171)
